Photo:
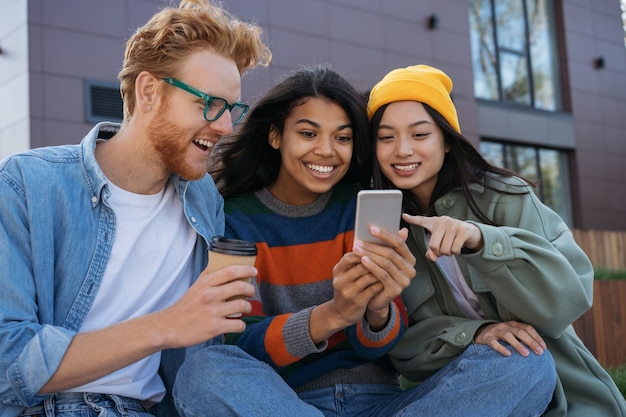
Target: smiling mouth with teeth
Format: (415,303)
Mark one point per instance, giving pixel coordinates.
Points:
(323,169)
(405,167)
(203,144)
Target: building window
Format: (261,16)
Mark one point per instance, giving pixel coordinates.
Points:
(548,166)
(623,5)
(514,52)
(103,102)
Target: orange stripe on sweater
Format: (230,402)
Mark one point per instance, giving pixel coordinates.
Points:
(275,343)
(300,264)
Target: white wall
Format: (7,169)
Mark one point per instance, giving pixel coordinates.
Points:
(14,78)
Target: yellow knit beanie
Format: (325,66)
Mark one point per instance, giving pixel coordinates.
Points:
(417,83)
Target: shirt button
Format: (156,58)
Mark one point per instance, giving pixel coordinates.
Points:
(94,199)
(460,337)
(497,249)
(193,219)
(448,202)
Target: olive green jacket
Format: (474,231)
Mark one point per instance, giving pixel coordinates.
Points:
(530,270)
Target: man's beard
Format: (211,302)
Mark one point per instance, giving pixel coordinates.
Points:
(171,144)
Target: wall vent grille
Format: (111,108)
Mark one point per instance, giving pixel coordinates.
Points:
(104,102)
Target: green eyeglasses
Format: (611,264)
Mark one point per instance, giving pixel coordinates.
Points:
(215,106)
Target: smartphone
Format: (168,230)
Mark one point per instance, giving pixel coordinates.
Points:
(380,208)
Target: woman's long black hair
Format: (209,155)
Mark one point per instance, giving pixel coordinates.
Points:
(462,166)
(246,162)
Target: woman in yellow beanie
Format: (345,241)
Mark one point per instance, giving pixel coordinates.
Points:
(499,278)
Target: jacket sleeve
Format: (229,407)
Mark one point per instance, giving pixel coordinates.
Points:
(530,270)
(533,268)
(30,350)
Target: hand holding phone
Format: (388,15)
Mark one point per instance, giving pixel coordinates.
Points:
(381,208)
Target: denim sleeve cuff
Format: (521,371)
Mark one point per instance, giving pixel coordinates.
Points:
(36,364)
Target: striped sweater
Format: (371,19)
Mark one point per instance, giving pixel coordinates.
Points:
(298,246)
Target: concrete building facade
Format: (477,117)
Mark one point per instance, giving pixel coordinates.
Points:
(54,55)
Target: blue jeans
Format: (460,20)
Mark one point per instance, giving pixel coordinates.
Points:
(480,383)
(86,404)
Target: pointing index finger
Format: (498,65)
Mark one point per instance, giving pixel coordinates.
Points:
(422,221)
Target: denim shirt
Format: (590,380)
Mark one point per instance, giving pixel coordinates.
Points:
(56,235)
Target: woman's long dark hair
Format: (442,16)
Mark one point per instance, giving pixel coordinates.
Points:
(462,166)
(246,162)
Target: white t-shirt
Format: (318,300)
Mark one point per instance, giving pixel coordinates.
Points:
(150,267)
(465,297)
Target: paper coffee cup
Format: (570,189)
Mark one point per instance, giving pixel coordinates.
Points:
(224,252)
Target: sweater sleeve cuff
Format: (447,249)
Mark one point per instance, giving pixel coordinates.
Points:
(297,335)
(382,334)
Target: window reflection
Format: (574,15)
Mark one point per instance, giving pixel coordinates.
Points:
(483,50)
(546,166)
(521,159)
(623,6)
(514,52)
(515,80)
(510,24)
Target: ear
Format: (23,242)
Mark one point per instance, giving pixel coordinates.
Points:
(146,91)
(274,137)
